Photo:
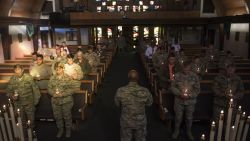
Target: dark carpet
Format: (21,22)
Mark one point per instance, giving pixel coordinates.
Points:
(102,123)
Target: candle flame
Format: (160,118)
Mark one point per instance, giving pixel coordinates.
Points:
(231,100)
(4,106)
(18,110)
(233,127)
(213,123)
(248,117)
(239,107)
(222,112)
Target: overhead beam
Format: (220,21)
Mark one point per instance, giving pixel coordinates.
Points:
(248,5)
(5,6)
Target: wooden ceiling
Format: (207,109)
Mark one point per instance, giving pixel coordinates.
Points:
(230,7)
(21,8)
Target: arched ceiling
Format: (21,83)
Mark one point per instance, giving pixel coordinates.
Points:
(231,7)
(21,8)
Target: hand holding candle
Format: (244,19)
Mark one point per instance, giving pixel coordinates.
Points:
(203,138)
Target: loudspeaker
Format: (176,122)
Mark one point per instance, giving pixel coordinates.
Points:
(58,18)
(20,37)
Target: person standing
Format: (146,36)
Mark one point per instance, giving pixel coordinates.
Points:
(24,92)
(185,87)
(61,88)
(132,99)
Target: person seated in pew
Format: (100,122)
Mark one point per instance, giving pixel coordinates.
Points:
(167,72)
(64,47)
(24,93)
(41,72)
(198,67)
(181,57)
(34,57)
(186,88)
(44,50)
(132,100)
(72,69)
(61,87)
(226,85)
(93,58)
(226,60)
(58,58)
(83,63)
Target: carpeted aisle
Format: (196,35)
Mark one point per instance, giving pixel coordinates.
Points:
(103,120)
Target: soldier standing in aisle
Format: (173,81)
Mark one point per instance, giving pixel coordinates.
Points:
(61,88)
(24,92)
(185,87)
(132,99)
(226,85)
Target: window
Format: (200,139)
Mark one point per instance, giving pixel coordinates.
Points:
(146,32)
(99,33)
(237,36)
(98,8)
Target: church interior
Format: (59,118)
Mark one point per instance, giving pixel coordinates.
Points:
(108,38)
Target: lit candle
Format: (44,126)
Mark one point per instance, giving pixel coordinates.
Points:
(230,94)
(236,124)
(29,131)
(3,127)
(206,70)
(203,138)
(198,69)
(34,136)
(182,61)
(7,123)
(244,136)
(229,120)
(19,120)
(220,126)
(212,57)
(185,93)
(232,130)
(212,131)
(242,121)
(38,75)
(13,121)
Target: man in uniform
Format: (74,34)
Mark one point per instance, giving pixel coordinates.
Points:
(181,57)
(94,59)
(61,89)
(185,87)
(198,67)
(159,58)
(41,72)
(226,85)
(72,69)
(132,99)
(57,58)
(24,92)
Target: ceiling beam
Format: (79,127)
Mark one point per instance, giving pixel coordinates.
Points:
(248,5)
(5,6)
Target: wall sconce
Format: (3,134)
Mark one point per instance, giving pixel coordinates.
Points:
(113,3)
(151,2)
(140,2)
(104,3)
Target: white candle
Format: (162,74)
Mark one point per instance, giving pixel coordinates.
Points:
(203,138)
(206,70)
(19,120)
(3,127)
(220,126)
(7,123)
(236,124)
(198,69)
(34,136)
(185,92)
(232,130)
(29,131)
(212,131)
(242,121)
(244,136)
(13,121)
(229,120)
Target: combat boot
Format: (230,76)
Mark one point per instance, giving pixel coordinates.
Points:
(59,133)
(68,132)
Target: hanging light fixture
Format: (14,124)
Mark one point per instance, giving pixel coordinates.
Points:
(113,3)
(104,3)
(140,2)
(151,2)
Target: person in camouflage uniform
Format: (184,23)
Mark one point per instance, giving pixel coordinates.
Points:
(185,87)
(226,60)
(24,92)
(132,100)
(83,63)
(61,88)
(72,69)
(198,67)
(226,85)
(93,58)
(159,57)
(167,72)
(41,72)
(181,57)
(57,58)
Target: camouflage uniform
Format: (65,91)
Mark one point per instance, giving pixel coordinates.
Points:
(94,60)
(73,69)
(62,105)
(85,66)
(44,71)
(132,99)
(221,88)
(190,83)
(164,75)
(181,58)
(199,69)
(57,59)
(28,95)
(159,58)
